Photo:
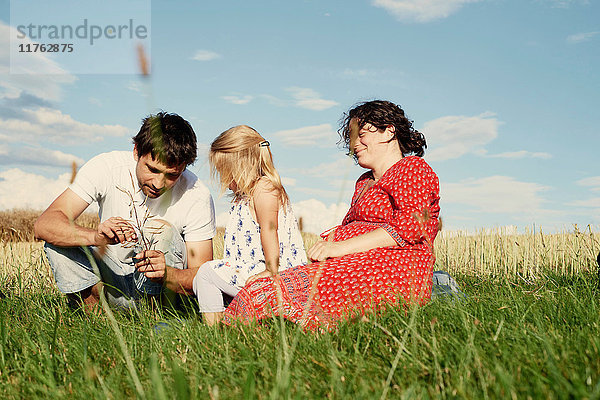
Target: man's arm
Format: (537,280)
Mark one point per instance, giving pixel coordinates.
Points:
(56,225)
(178,280)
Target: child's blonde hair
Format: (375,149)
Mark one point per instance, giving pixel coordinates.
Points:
(243,156)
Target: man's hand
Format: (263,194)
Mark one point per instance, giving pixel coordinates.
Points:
(114,230)
(152,263)
(265,274)
(323,250)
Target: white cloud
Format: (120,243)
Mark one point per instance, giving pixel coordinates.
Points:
(45,80)
(95,101)
(317,216)
(51,124)
(285,181)
(454,136)
(26,110)
(274,101)
(310,99)
(320,193)
(581,37)
(37,156)
(495,194)
(300,97)
(593,203)
(19,189)
(134,86)
(421,10)
(522,154)
(356,73)
(565,3)
(338,167)
(205,55)
(316,135)
(238,99)
(591,181)
(389,77)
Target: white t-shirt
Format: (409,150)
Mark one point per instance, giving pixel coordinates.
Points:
(110,180)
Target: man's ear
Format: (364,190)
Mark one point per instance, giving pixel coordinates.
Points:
(135,152)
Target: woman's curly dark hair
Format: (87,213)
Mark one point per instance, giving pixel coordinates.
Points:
(382,114)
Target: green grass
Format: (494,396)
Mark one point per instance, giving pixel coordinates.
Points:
(508,339)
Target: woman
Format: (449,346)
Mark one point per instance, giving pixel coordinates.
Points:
(382,252)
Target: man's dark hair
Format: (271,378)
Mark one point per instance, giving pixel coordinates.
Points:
(382,114)
(168,137)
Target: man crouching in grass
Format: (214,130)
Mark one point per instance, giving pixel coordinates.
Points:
(156,220)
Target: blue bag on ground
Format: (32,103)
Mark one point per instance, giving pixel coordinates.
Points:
(445,286)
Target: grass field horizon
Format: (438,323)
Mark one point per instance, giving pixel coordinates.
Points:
(529,328)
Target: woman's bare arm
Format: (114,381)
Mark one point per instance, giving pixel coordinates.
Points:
(370,240)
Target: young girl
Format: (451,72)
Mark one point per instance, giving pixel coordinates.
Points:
(262,235)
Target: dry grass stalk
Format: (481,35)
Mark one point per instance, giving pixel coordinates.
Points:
(145,234)
(16,225)
(143,60)
(487,253)
(499,253)
(24,269)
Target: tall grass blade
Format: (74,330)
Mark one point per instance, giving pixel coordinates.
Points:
(2,337)
(124,350)
(159,387)
(250,384)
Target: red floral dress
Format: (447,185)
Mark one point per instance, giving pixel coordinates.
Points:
(404,202)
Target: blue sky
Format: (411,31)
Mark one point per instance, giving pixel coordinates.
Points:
(505,91)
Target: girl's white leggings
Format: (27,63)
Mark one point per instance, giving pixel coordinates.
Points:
(208,287)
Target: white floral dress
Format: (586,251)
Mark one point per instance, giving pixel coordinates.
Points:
(243,254)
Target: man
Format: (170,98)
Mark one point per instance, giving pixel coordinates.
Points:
(156,219)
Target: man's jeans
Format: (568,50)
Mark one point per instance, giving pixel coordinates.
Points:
(75,271)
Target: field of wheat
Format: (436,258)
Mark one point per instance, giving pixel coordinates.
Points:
(487,254)
(497,253)
(529,327)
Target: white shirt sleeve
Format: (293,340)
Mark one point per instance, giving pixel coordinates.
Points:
(91,180)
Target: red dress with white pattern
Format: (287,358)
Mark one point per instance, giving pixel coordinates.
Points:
(404,202)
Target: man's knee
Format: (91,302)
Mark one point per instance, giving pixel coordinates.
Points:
(72,267)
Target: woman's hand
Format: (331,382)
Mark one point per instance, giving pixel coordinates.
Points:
(265,274)
(323,250)
(152,263)
(357,244)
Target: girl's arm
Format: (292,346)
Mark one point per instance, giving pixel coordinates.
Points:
(266,206)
